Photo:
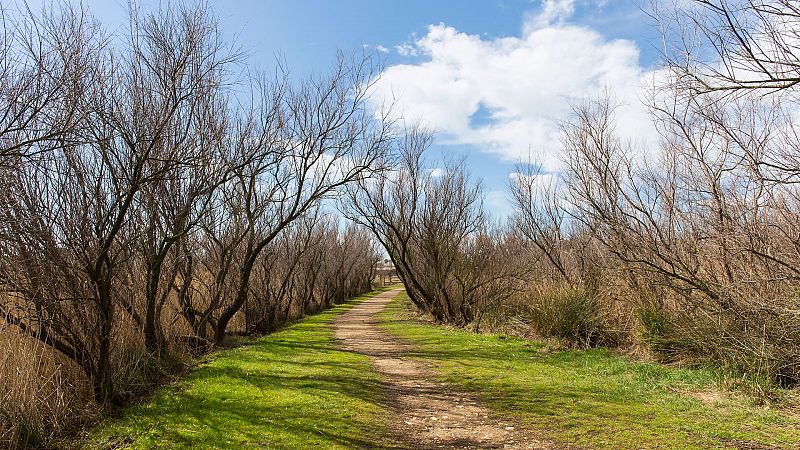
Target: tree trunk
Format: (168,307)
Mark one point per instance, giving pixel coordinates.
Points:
(240,299)
(151,321)
(101,380)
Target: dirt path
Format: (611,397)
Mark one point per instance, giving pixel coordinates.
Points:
(430,414)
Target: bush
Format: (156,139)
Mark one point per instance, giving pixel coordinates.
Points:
(755,341)
(655,332)
(568,313)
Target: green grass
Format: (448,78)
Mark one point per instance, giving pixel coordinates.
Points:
(593,398)
(292,389)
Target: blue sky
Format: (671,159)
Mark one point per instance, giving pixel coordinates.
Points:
(493,77)
(307,33)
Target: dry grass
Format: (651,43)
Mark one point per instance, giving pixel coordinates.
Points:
(45,396)
(41,394)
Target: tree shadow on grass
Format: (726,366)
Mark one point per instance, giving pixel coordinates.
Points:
(293,390)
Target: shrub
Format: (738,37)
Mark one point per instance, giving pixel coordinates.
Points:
(568,313)
(747,340)
(655,331)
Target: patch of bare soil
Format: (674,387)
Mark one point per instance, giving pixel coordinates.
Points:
(429,414)
(707,397)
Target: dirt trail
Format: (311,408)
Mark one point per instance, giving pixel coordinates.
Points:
(429,414)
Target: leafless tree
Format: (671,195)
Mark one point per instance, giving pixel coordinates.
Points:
(143,208)
(138,112)
(541,213)
(434,230)
(300,146)
(732,46)
(44,60)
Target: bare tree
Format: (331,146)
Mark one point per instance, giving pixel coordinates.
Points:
(310,141)
(434,230)
(44,60)
(138,110)
(541,213)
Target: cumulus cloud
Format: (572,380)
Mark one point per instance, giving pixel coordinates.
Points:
(406,49)
(507,95)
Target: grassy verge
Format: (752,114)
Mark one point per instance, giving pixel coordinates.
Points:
(292,389)
(593,398)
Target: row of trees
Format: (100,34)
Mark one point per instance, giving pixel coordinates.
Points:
(152,200)
(433,225)
(689,249)
(702,233)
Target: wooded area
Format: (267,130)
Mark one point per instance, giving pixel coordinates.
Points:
(688,251)
(150,208)
(158,195)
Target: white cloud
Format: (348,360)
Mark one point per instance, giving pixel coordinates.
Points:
(406,49)
(381,49)
(553,12)
(437,172)
(506,95)
(542,182)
